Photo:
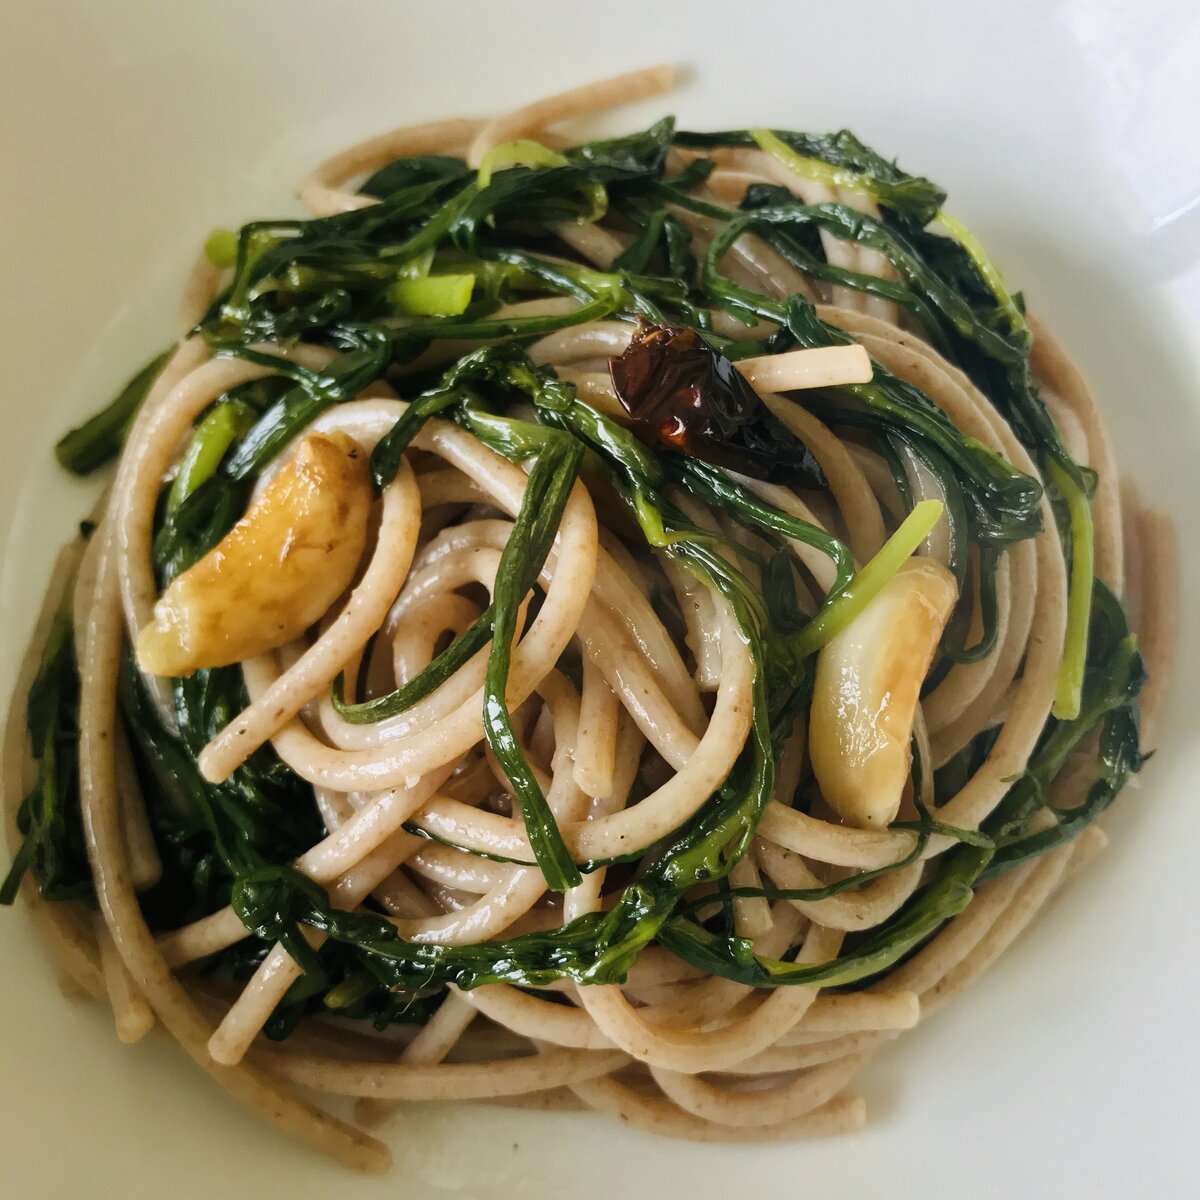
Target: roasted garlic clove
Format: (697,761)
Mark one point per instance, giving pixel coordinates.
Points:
(277,570)
(865,694)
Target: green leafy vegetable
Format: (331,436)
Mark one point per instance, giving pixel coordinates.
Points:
(836,158)
(546,493)
(99,439)
(49,817)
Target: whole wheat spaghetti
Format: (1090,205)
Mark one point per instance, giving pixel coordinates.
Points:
(630,624)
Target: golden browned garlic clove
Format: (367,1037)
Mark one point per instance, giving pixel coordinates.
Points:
(865,694)
(275,572)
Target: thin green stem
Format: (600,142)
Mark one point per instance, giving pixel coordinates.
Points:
(834,616)
(1069,687)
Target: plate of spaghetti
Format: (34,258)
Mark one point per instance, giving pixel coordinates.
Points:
(584,627)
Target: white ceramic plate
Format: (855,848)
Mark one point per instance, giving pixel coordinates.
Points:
(1065,134)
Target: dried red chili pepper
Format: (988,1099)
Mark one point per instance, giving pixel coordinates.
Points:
(682,394)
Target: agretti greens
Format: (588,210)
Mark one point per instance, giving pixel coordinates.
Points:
(441,257)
